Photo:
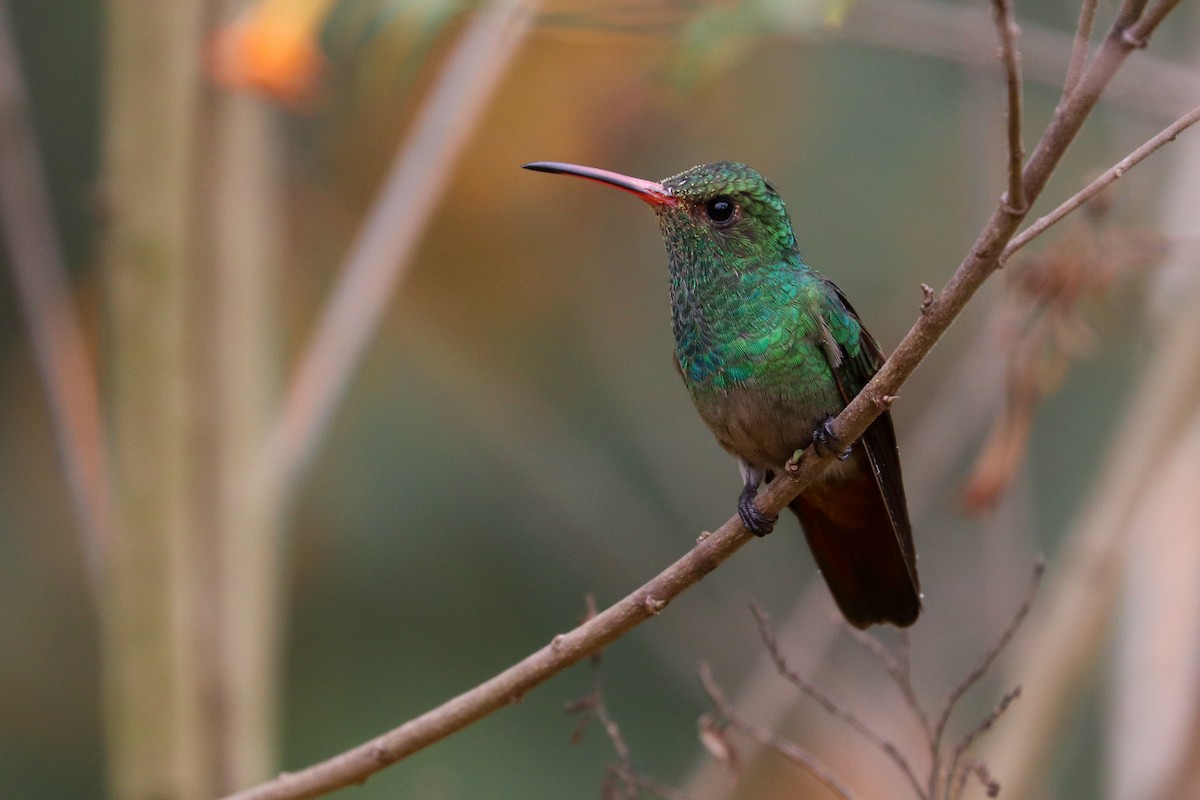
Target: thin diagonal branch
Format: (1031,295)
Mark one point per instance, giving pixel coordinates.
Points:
(971,736)
(982,259)
(791,752)
(383,250)
(898,670)
(990,657)
(359,763)
(1006,28)
(44,291)
(1110,176)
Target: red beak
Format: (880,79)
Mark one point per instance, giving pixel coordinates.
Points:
(650,191)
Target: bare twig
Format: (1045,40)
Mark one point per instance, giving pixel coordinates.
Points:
(622,781)
(898,670)
(1079,50)
(957,32)
(977,768)
(831,706)
(990,657)
(44,291)
(790,751)
(648,784)
(1006,27)
(971,736)
(383,250)
(358,763)
(1139,34)
(1110,176)
(592,706)
(979,263)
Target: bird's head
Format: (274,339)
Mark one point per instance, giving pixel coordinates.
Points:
(724,212)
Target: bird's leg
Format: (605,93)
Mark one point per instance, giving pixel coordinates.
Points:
(825,443)
(757,522)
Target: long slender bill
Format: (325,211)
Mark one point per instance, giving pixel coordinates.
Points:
(650,191)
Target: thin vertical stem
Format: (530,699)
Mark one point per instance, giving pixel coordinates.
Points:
(155,739)
(238,249)
(1006,27)
(1079,50)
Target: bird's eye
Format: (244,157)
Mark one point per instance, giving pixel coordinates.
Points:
(720,210)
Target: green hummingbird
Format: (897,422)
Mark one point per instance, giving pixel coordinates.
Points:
(770,351)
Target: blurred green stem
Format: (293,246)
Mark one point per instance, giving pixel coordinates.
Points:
(152,704)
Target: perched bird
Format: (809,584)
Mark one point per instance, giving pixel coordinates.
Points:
(770,352)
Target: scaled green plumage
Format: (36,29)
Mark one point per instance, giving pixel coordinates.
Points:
(770,351)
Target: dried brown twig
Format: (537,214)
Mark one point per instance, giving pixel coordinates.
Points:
(1006,27)
(788,750)
(973,677)
(1046,330)
(1111,175)
(621,781)
(831,706)
(942,782)
(1079,50)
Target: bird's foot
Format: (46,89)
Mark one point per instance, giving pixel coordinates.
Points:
(757,522)
(826,443)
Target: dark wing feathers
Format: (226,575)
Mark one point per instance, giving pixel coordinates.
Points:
(866,554)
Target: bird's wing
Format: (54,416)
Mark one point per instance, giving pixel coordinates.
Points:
(857,366)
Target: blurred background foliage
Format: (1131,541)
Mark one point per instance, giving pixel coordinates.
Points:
(515,435)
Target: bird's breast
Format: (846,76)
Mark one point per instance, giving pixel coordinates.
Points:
(764,428)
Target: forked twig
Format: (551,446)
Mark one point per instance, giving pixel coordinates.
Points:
(1111,175)
(898,670)
(831,706)
(977,768)
(969,738)
(940,782)
(646,783)
(592,706)
(788,750)
(1039,568)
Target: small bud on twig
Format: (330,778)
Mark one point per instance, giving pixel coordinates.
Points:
(926,297)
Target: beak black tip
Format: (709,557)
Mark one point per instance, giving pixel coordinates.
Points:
(543,166)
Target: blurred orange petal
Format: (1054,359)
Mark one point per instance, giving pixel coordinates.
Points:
(272,49)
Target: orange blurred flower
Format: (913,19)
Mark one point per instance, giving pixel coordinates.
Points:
(272,49)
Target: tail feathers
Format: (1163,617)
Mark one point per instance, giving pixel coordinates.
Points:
(858,550)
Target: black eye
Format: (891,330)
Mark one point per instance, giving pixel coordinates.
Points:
(720,209)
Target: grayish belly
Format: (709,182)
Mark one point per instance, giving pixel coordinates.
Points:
(764,428)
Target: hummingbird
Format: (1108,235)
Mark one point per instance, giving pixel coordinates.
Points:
(770,351)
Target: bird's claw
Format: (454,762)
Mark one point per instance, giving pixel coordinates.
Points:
(757,522)
(826,443)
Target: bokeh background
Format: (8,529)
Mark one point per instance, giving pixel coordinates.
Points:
(514,436)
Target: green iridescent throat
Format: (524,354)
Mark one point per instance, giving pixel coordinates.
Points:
(741,296)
